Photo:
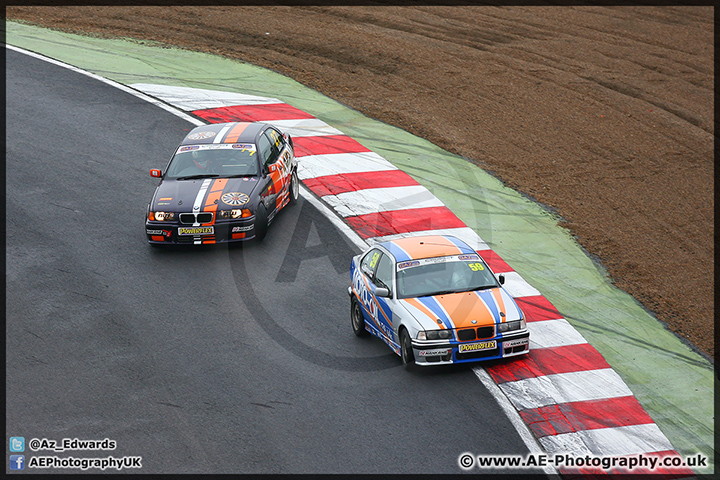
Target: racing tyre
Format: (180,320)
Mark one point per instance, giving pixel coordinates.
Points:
(261,224)
(294,188)
(356,318)
(406,351)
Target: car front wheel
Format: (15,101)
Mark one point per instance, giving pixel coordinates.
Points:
(294,188)
(356,317)
(406,351)
(261,225)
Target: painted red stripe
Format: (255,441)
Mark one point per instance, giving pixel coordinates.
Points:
(404,221)
(496,263)
(351,182)
(587,415)
(538,308)
(326,144)
(252,113)
(548,361)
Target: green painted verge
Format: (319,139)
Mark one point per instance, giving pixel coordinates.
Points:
(675,384)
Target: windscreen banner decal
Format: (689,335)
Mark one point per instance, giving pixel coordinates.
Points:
(428,261)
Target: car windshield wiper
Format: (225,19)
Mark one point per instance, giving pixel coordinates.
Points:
(445,292)
(469,289)
(202,175)
(242,175)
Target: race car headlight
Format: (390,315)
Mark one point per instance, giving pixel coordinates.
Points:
(511,326)
(234,213)
(434,335)
(162,216)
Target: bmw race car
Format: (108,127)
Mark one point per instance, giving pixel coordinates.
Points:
(434,301)
(225,183)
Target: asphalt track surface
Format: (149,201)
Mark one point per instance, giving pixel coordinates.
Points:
(211,360)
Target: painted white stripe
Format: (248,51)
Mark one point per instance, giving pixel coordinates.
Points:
(190,99)
(565,387)
(309,127)
(373,200)
(525,434)
(312,166)
(200,196)
(221,135)
(466,234)
(517,286)
(566,444)
(615,441)
(553,333)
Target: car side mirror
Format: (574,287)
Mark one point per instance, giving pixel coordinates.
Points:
(382,292)
(156,173)
(501,279)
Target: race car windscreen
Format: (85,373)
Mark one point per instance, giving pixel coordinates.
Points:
(436,276)
(214,160)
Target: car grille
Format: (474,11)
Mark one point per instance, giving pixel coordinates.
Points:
(190,218)
(467,334)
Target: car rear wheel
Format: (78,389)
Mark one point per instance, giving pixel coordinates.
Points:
(406,351)
(294,188)
(261,225)
(357,320)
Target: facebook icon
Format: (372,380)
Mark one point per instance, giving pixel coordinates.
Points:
(17,462)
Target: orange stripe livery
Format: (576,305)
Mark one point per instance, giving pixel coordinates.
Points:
(216,190)
(415,303)
(235,132)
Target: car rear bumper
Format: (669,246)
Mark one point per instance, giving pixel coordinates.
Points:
(449,353)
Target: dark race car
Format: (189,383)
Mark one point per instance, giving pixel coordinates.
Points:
(225,183)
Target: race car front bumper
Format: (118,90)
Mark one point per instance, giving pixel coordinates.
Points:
(437,353)
(163,233)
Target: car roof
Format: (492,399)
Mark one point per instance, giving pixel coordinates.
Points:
(426,246)
(230,132)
